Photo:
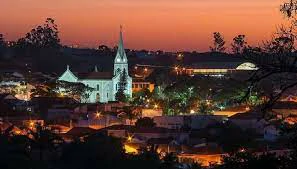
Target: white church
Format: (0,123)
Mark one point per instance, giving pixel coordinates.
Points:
(105,84)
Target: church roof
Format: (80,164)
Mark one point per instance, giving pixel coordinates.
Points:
(121,50)
(95,75)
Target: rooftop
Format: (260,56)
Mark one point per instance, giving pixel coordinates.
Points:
(95,75)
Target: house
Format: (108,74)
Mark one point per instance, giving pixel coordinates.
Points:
(249,120)
(105,84)
(188,121)
(7,97)
(151,113)
(43,104)
(166,145)
(77,133)
(139,84)
(285,108)
(145,134)
(97,121)
(59,113)
(11,106)
(271,133)
(112,106)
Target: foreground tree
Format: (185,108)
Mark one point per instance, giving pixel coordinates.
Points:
(2,46)
(148,158)
(78,91)
(170,161)
(289,8)
(204,108)
(145,122)
(43,36)
(246,160)
(13,154)
(277,63)
(131,113)
(122,85)
(45,140)
(218,43)
(238,44)
(43,45)
(96,151)
(44,91)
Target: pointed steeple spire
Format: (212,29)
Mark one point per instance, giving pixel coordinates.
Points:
(120,61)
(121,49)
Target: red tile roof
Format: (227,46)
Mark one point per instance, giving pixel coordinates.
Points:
(133,129)
(80,131)
(95,75)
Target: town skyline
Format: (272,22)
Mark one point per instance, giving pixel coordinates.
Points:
(147,25)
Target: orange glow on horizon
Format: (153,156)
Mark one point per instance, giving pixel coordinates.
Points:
(171,25)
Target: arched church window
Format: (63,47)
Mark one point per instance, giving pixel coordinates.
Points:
(107,95)
(118,71)
(98,87)
(97,97)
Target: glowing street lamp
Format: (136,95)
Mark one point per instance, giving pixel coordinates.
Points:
(98,115)
(129,138)
(31,124)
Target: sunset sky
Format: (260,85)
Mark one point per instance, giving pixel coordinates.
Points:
(172,25)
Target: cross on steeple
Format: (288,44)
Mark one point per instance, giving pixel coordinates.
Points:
(121,28)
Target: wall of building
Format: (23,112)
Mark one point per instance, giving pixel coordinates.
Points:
(138,86)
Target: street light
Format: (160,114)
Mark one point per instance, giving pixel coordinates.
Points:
(31,124)
(129,138)
(98,114)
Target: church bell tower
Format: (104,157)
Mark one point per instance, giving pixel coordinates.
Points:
(120,61)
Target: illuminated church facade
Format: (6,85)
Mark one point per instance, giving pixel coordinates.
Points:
(105,84)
